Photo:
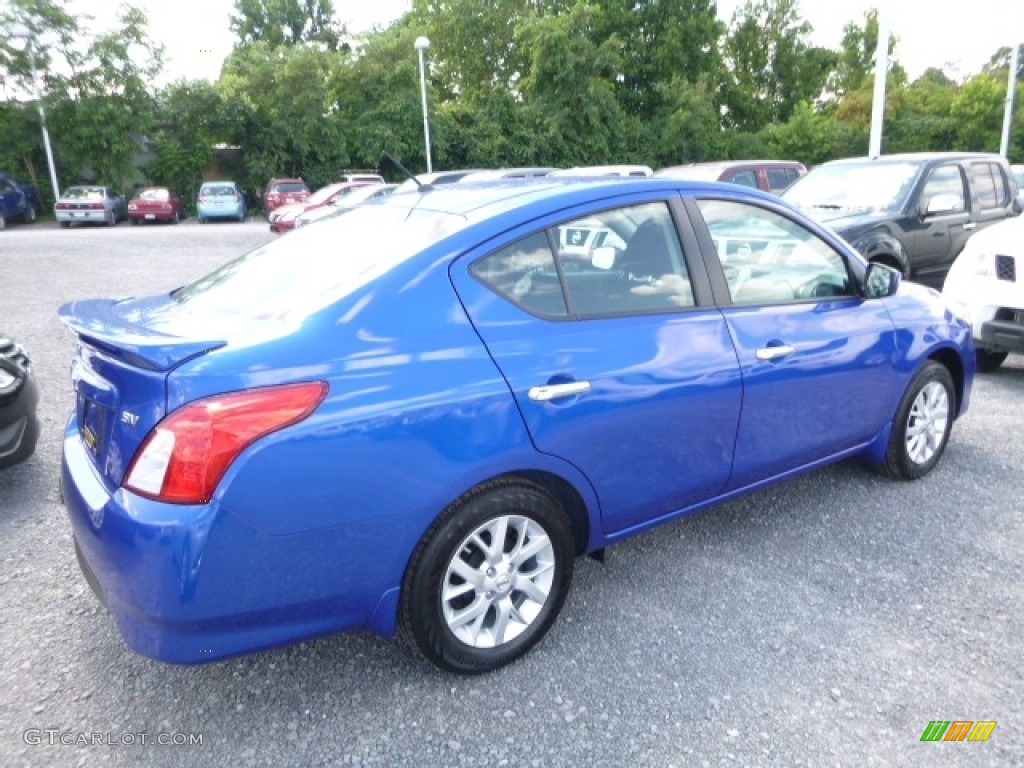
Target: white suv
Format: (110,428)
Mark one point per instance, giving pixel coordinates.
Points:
(987,282)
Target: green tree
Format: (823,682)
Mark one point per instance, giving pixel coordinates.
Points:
(286,22)
(569,97)
(661,42)
(772,66)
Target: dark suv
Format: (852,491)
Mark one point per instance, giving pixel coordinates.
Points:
(913,212)
(282,191)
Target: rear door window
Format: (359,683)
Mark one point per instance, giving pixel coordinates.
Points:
(744,178)
(625,260)
(988,187)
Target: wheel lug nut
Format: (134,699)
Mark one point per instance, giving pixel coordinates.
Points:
(490,572)
(488,595)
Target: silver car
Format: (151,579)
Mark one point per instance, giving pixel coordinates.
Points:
(86,204)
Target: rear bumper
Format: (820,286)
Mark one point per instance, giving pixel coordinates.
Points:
(220,211)
(194,583)
(83,217)
(151,215)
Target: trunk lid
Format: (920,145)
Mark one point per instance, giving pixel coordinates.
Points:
(119,373)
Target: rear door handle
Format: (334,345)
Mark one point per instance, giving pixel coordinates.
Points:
(774,353)
(555,391)
(970,225)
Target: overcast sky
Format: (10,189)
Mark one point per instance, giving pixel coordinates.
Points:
(956,35)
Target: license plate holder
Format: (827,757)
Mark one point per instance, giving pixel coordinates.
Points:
(92,426)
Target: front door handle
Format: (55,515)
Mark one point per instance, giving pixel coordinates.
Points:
(774,353)
(555,391)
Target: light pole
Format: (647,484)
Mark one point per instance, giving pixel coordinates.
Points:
(19,30)
(422,44)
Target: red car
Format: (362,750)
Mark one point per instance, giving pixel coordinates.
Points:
(282,219)
(282,191)
(156,204)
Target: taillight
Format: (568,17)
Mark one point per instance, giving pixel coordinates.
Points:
(62,206)
(185,456)
(96,206)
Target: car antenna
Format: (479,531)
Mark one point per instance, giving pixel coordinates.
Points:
(422,187)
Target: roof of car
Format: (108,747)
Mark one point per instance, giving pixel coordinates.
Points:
(916,157)
(481,199)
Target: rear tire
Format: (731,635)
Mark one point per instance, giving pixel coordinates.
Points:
(488,579)
(3,222)
(921,426)
(65,224)
(30,214)
(988,362)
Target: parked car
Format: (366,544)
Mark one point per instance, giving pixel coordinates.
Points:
(913,212)
(435,179)
(17,200)
(373,193)
(220,200)
(370,178)
(156,204)
(280,192)
(90,204)
(19,396)
(769,175)
(417,415)
(282,218)
(605,170)
(987,282)
(507,173)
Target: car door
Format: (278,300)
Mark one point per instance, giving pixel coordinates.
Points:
(617,360)
(816,360)
(937,231)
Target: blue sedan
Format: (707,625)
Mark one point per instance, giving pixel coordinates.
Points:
(416,416)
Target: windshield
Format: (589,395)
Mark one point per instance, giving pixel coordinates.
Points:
(870,185)
(298,275)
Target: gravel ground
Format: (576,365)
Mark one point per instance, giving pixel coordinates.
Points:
(821,623)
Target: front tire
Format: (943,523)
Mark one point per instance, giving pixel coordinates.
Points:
(921,427)
(488,579)
(989,362)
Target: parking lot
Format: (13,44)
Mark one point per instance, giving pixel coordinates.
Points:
(824,622)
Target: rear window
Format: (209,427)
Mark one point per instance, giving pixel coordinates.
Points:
(313,267)
(215,190)
(84,193)
(286,187)
(154,194)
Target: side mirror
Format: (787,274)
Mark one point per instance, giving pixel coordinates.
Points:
(881,281)
(944,203)
(1018,202)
